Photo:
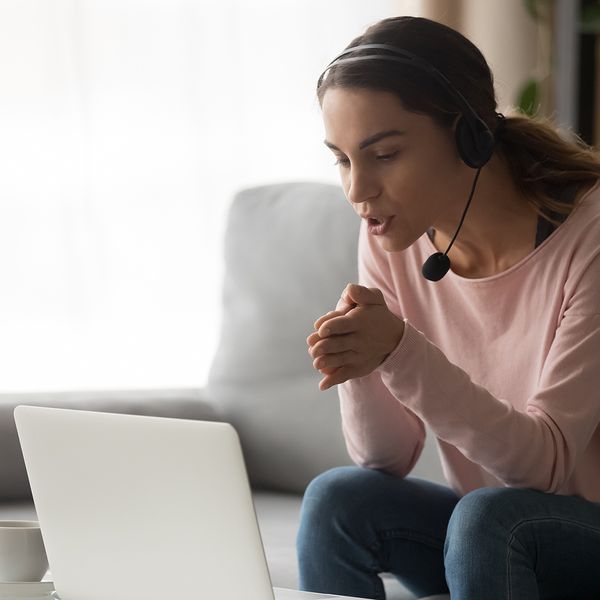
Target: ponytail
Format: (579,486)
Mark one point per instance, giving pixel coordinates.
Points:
(542,163)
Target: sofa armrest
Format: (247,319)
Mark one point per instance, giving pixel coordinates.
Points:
(174,403)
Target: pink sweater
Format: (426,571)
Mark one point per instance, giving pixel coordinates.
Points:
(505,370)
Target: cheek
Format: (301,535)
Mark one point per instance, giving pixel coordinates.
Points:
(439,170)
(420,191)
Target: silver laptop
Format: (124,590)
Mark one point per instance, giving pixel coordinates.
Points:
(144,508)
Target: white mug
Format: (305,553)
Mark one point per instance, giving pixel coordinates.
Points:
(22,553)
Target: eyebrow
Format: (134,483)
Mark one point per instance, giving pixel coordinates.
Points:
(372,139)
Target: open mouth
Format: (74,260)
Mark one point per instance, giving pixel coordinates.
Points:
(379,226)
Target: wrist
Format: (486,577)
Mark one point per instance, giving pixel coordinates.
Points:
(399,326)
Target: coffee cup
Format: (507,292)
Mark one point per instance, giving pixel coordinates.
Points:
(22,553)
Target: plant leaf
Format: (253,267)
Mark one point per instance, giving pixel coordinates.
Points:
(529,97)
(531,8)
(590,19)
(537,9)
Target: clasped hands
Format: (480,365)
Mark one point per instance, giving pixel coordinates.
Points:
(355,338)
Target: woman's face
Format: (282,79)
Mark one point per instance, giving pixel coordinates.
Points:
(412,174)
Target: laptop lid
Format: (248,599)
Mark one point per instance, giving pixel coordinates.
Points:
(142,508)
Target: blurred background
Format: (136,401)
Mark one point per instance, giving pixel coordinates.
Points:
(126,126)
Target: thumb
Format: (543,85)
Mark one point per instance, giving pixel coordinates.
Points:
(345,303)
(359,294)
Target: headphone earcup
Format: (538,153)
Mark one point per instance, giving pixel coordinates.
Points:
(474,141)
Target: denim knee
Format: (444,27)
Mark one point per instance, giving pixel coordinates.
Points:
(331,498)
(333,491)
(481,516)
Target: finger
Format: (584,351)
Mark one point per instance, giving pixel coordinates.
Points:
(312,339)
(326,317)
(344,305)
(332,345)
(340,359)
(337,326)
(345,302)
(339,376)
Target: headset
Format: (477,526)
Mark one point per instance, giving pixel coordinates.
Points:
(474,140)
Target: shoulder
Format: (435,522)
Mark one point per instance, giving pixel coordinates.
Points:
(584,219)
(580,252)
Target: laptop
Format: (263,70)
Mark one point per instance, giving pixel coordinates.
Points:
(144,508)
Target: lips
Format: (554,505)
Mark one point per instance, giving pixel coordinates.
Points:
(379,226)
(374,219)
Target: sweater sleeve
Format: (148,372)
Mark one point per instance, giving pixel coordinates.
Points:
(536,447)
(380,432)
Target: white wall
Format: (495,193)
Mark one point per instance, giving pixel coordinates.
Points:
(125,128)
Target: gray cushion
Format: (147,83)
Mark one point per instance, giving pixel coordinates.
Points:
(290,249)
(187,404)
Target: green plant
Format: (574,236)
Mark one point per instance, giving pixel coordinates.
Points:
(590,17)
(529,97)
(536,8)
(531,92)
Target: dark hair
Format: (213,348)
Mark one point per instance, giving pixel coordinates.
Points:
(542,163)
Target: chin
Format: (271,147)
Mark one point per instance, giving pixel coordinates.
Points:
(393,244)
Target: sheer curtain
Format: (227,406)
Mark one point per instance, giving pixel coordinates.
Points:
(125,128)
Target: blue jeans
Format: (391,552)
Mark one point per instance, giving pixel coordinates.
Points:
(491,544)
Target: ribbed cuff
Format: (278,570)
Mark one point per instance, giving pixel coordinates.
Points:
(394,359)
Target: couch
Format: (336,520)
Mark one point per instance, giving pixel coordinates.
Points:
(289,251)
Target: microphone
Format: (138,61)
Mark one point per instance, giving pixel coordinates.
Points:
(438,264)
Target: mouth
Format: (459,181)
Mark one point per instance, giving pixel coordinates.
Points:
(379,225)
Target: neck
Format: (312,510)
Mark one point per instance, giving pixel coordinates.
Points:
(499,228)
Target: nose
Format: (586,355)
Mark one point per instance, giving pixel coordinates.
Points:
(360,185)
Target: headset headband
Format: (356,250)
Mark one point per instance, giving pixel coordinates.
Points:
(408,58)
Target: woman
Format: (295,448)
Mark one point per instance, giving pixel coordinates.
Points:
(499,356)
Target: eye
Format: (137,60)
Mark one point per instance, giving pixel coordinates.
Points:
(344,162)
(385,157)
